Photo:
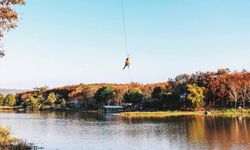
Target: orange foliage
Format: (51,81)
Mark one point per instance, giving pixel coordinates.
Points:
(222,89)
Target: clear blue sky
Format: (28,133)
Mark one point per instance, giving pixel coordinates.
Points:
(81,41)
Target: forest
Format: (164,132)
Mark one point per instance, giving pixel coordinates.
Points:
(220,89)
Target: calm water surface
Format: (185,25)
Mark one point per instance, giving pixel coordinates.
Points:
(73,131)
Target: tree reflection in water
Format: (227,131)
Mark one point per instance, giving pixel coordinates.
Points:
(219,132)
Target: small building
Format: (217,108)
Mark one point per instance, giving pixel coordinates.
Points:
(112,109)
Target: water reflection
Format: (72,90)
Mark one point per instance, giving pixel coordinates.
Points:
(219,132)
(98,131)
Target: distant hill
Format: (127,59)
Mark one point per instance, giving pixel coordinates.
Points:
(11,91)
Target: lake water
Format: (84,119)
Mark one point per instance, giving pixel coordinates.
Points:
(73,131)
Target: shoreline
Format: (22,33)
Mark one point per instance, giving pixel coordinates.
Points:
(146,114)
(163,114)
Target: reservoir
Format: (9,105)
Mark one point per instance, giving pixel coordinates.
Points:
(80,131)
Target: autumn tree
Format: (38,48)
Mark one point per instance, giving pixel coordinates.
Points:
(195,96)
(239,84)
(234,93)
(245,88)
(8,17)
(83,93)
(219,89)
(182,78)
(248,93)
(202,79)
(225,71)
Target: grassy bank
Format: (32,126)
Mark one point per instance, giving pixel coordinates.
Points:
(8,108)
(162,114)
(230,112)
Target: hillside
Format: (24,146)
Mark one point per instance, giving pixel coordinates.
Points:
(11,91)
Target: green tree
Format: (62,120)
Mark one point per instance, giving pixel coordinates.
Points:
(105,94)
(10,99)
(33,102)
(170,101)
(134,96)
(195,96)
(1,99)
(157,91)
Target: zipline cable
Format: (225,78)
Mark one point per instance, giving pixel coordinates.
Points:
(124,29)
(129,76)
(125,39)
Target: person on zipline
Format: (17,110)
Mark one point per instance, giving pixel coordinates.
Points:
(2,54)
(127,63)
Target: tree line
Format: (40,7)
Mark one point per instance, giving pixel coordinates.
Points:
(220,89)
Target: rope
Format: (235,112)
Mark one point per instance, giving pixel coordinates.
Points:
(129,75)
(124,29)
